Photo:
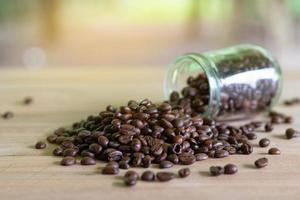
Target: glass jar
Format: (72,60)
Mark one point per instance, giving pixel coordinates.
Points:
(227,84)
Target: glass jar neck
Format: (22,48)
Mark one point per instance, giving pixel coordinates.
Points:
(191,64)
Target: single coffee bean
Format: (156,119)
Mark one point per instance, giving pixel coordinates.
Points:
(251,136)
(260,163)
(70,152)
(131,178)
(52,139)
(58,151)
(274,151)
(186,158)
(291,133)
(288,120)
(269,127)
(88,161)
(165,176)
(68,161)
(216,170)
(230,169)
(148,176)
(8,115)
(110,170)
(246,148)
(103,141)
(201,156)
(28,100)
(165,164)
(86,153)
(184,172)
(264,142)
(40,145)
(221,153)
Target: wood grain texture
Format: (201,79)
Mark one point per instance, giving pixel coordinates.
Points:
(62,96)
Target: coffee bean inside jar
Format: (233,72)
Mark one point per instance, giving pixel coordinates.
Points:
(232,83)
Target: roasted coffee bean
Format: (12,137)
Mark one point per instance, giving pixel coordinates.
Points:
(52,139)
(165,164)
(165,176)
(148,176)
(251,136)
(184,172)
(68,161)
(146,161)
(8,115)
(110,170)
(86,153)
(131,178)
(230,169)
(58,151)
(40,145)
(123,165)
(67,144)
(269,127)
(201,156)
(173,158)
(246,148)
(292,133)
(216,170)
(95,148)
(103,141)
(274,151)
(260,163)
(70,152)
(186,158)
(221,153)
(264,142)
(288,120)
(28,100)
(87,161)
(257,124)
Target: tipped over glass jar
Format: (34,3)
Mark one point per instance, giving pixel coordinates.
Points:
(227,84)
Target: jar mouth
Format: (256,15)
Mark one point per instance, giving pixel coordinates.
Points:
(190,65)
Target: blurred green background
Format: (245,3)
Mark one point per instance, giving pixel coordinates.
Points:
(37,33)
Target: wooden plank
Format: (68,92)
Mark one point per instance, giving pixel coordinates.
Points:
(63,95)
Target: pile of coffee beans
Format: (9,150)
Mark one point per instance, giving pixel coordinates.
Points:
(143,133)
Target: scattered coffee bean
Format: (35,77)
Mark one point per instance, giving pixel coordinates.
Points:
(52,139)
(184,172)
(148,176)
(230,169)
(131,178)
(68,161)
(216,170)
(165,164)
(165,176)
(221,153)
(269,127)
(274,151)
(110,170)
(260,163)
(246,148)
(8,115)
(292,133)
(28,100)
(186,158)
(40,145)
(58,151)
(264,142)
(70,152)
(87,161)
(123,165)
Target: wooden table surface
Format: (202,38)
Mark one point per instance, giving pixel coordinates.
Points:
(64,95)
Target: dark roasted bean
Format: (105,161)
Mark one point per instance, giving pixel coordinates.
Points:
(131,178)
(230,169)
(51,138)
(260,163)
(201,156)
(8,115)
(68,161)
(184,172)
(110,170)
(58,151)
(216,170)
(246,148)
(291,133)
(165,176)
(269,127)
(264,142)
(95,148)
(28,100)
(86,153)
(186,158)
(148,176)
(123,165)
(40,145)
(70,152)
(274,151)
(165,164)
(87,161)
(103,141)
(173,158)
(221,153)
